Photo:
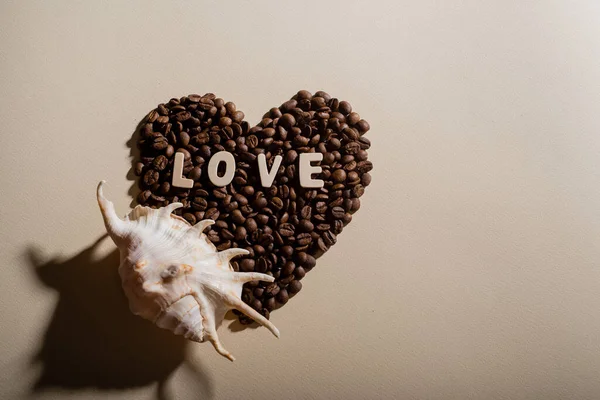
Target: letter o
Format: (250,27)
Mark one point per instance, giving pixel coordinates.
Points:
(213,166)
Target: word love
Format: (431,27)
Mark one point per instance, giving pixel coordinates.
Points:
(306,170)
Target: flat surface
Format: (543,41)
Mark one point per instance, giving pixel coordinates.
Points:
(471,271)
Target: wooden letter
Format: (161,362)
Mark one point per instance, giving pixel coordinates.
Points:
(266,177)
(306,170)
(213,166)
(178,179)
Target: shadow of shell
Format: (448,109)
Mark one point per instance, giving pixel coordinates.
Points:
(93,340)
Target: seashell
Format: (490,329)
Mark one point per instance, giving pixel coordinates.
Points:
(174,276)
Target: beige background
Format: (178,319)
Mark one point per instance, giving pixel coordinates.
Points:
(471,271)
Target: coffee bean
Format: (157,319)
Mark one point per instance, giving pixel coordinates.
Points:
(277,203)
(288,268)
(338,212)
(310,262)
(321,245)
(151,177)
(345,107)
(306,226)
(199,204)
(364,166)
(321,207)
(306,212)
(286,230)
(358,190)
(299,272)
(290,156)
(304,239)
(353,118)
(212,213)
(287,121)
(189,217)
(353,178)
(272,289)
(260,202)
(366,179)
(294,287)
(256,304)
(282,297)
(250,225)
(339,175)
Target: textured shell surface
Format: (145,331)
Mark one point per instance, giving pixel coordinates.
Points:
(174,276)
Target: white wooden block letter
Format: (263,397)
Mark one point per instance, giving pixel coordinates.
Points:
(213,166)
(178,179)
(266,177)
(306,170)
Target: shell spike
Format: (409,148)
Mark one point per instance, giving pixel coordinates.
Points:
(239,305)
(202,225)
(168,209)
(252,276)
(115,226)
(228,254)
(214,339)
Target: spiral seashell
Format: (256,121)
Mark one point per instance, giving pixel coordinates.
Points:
(174,276)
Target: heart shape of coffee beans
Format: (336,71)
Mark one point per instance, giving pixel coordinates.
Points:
(285,227)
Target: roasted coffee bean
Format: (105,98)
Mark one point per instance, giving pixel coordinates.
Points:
(256,304)
(160,163)
(306,226)
(353,178)
(288,268)
(199,204)
(260,202)
(286,230)
(304,239)
(277,203)
(270,304)
(272,289)
(364,166)
(159,143)
(212,213)
(362,126)
(321,207)
(250,225)
(186,154)
(299,272)
(282,297)
(306,212)
(321,245)
(329,238)
(338,212)
(258,292)
(358,190)
(294,287)
(287,121)
(237,217)
(247,265)
(339,175)
(365,179)
(262,219)
(151,177)
(189,217)
(195,173)
(262,265)
(286,251)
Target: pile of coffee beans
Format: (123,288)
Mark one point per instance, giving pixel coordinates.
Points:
(284,227)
